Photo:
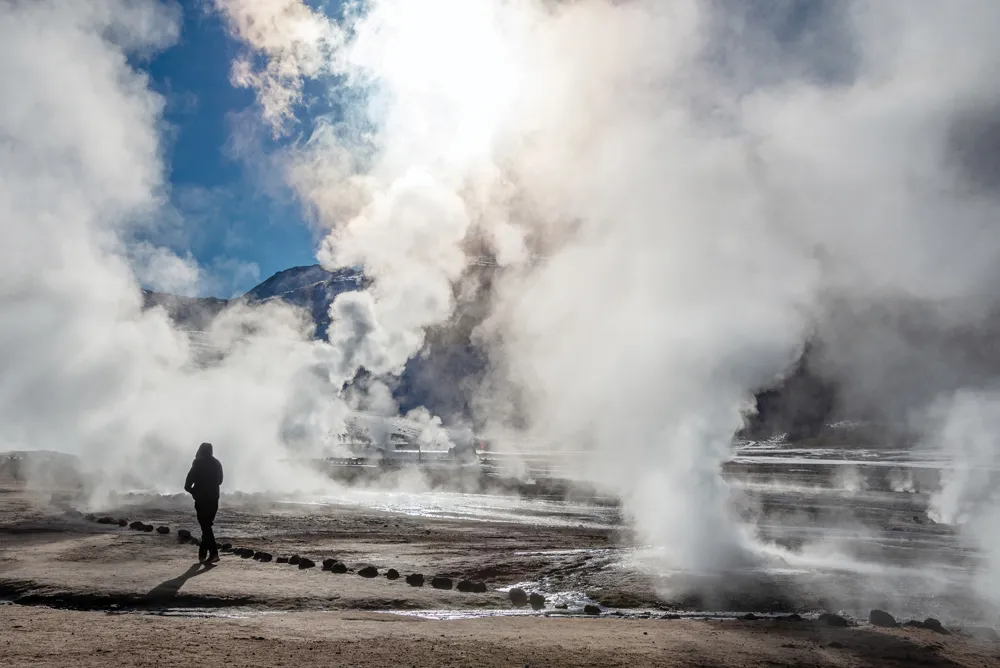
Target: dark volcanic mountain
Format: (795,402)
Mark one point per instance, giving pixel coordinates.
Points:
(312,288)
(439,379)
(449,370)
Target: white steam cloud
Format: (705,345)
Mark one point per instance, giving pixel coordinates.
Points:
(83,369)
(705,192)
(678,195)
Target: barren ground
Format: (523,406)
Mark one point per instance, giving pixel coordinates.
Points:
(87,594)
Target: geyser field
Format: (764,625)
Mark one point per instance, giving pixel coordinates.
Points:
(646,331)
(839,529)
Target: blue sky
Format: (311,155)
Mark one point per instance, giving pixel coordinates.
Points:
(224,216)
(241,227)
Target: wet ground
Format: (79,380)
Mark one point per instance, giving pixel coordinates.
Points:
(834,529)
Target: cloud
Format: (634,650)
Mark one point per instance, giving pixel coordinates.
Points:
(683,195)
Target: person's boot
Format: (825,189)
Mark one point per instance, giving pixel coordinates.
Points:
(213,558)
(202,551)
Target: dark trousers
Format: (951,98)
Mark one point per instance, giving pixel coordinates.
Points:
(206,510)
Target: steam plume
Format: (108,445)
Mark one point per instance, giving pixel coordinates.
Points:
(707,186)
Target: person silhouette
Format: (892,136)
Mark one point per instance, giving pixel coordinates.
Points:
(203,483)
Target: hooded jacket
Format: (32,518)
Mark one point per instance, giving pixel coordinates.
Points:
(205,477)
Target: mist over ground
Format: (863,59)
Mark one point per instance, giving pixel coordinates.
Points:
(675,200)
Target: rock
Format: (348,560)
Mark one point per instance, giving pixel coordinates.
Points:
(282,560)
(328,563)
(137,525)
(831,619)
(305,563)
(226,547)
(794,617)
(163,530)
(266,557)
(670,615)
(441,583)
(935,625)
(247,553)
(294,559)
(105,520)
(90,517)
(338,567)
(749,617)
(591,609)
(914,624)
(882,619)
(392,574)
(536,600)
(472,586)
(368,572)
(415,580)
(836,645)
(561,606)
(183,535)
(518,597)
(257,555)
(123,522)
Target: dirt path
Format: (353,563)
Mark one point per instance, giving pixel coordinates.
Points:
(42,637)
(89,594)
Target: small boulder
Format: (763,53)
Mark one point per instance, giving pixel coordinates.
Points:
(392,574)
(282,560)
(136,526)
(266,557)
(415,580)
(914,624)
(935,625)
(338,567)
(518,597)
(441,583)
(305,563)
(247,553)
(368,572)
(472,586)
(163,530)
(294,560)
(794,617)
(561,606)
(831,619)
(835,645)
(122,522)
(226,547)
(328,563)
(105,520)
(257,555)
(536,600)
(147,527)
(749,617)
(183,535)
(90,517)
(591,609)
(882,619)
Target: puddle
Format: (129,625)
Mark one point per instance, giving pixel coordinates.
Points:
(618,613)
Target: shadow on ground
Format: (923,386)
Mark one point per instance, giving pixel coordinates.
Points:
(168,589)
